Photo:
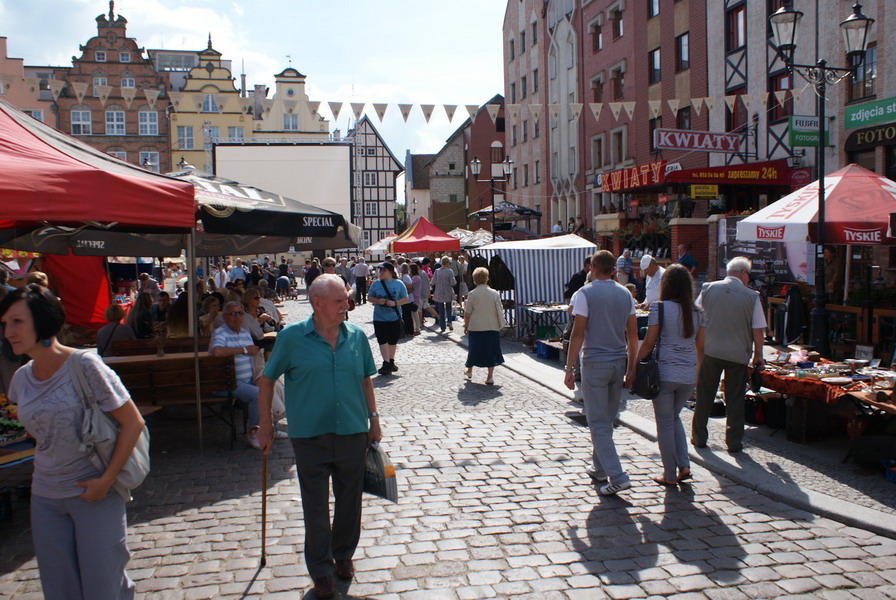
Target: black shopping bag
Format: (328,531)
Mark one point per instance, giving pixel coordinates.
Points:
(379,474)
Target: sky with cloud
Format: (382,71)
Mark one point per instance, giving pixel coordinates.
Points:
(390,51)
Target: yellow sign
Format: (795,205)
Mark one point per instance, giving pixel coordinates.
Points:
(704,190)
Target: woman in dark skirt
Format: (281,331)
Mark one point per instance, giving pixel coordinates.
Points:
(483,320)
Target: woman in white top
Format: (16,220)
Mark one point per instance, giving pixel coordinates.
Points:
(483,319)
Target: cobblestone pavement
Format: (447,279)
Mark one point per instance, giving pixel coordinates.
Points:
(494,504)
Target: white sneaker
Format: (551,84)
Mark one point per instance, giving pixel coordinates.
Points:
(611,489)
(253,442)
(280,435)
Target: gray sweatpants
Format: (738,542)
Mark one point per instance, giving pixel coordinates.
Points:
(602,391)
(82,548)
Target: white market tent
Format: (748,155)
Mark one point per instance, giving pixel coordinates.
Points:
(541,267)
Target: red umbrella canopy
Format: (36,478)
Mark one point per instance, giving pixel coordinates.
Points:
(423,236)
(46,175)
(858,203)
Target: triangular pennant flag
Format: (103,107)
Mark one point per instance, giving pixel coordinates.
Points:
(80,88)
(615,107)
(314,106)
(405,110)
(535,111)
(493,112)
(266,105)
(796,94)
(763,100)
(781,95)
(198,101)
(512,111)
(575,109)
(289,106)
(357,109)
(747,99)
(554,112)
(335,108)
(380,110)
(245,104)
(731,100)
(56,86)
(673,105)
(103,92)
(596,108)
(427,110)
(697,103)
(128,95)
(33,84)
(151,96)
(449,110)
(220,102)
(175,97)
(710,102)
(629,109)
(655,107)
(6,80)
(472,110)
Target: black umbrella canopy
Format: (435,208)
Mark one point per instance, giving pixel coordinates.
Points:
(229,207)
(506,211)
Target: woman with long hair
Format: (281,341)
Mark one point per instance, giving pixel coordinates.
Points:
(140,316)
(680,354)
(78,521)
(211,306)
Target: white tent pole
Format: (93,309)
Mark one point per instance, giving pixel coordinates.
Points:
(193,323)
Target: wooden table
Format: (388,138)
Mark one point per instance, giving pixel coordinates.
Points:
(118,360)
(15,451)
(870,398)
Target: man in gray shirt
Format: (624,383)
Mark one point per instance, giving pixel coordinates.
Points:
(735,332)
(606,332)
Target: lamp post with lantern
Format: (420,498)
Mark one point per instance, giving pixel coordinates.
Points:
(476,168)
(785,25)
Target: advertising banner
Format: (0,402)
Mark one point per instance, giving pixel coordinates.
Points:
(869,113)
(788,260)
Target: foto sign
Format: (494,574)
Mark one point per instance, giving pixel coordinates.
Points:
(804,131)
(704,190)
(701,141)
(869,113)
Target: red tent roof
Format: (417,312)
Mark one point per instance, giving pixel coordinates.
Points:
(423,236)
(46,175)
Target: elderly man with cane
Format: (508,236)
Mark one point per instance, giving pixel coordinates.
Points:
(331,408)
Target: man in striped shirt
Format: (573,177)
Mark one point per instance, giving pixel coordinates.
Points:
(231,339)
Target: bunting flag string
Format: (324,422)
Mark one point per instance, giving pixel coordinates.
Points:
(674,104)
(427,110)
(615,108)
(405,110)
(380,110)
(103,92)
(314,106)
(335,108)
(710,103)
(80,88)
(266,105)
(33,84)
(56,86)
(697,103)
(554,111)
(513,111)
(220,100)
(493,112)
(128,95)
(472,110)
(655,107)
(449,110)
(289,106)
(151,96)
(596,108)
(629,109)
(535,111)
(357,109)
(575,109)
(246,104)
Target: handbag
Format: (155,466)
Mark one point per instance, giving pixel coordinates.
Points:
(502,321)
(647,371)
(99,433)
(379,474)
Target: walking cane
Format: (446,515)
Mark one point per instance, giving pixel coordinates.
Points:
(264,504)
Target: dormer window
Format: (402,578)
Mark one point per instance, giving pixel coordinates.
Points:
(100,56)
(124,57)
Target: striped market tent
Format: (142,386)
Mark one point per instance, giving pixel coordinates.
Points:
(540,267)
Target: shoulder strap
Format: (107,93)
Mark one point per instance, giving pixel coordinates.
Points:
(389,296)
(659,337)
(79,380)
(109,340)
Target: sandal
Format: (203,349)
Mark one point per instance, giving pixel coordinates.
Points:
(468,373)
(489,381)
(662,481)
(684,474)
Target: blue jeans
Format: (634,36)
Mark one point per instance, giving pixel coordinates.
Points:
(248,394)
(81,548)
(444,310)
(670,435)
(602,392)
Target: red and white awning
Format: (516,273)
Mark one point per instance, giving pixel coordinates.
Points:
(858,203)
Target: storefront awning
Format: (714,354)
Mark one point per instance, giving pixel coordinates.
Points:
(772,172)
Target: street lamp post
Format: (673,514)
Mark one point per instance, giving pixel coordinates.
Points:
(476,168)
(784,23)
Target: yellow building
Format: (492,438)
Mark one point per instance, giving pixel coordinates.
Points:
(210,109)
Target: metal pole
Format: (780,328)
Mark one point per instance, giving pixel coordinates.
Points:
(819,316)
(491,185)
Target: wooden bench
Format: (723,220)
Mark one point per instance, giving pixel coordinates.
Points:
(149,346)
(156,382)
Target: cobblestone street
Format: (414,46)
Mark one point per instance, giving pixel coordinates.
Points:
(494,503)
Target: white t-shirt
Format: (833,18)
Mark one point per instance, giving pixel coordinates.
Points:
(52,412)
(652,286)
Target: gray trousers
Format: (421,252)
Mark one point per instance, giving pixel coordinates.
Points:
(317,460)
(602,391)
(670,435)
(735,387)
(81,548)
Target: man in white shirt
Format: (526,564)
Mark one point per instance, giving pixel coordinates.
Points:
(653,275)
(557,228)
(360,272)
(219,277)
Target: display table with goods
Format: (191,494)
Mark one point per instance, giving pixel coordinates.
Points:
(821,389)
(541,320)
(15,445)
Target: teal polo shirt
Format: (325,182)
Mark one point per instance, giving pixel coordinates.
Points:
(323,386)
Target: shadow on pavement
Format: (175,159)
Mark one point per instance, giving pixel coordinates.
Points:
(626,538)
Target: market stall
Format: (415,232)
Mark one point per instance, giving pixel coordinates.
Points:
(541,269)
(423,236)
